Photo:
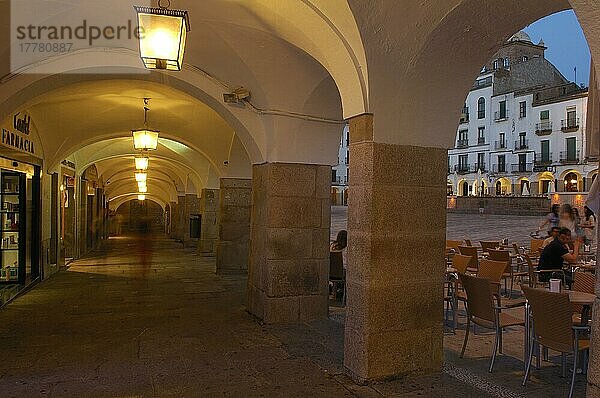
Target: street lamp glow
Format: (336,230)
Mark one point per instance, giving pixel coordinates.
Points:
(141,162)
(141,197)
(162,36)
(141,177)
(145,139)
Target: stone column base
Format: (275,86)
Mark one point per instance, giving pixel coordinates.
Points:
(289,255)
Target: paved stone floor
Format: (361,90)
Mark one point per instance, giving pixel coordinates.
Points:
(146,318)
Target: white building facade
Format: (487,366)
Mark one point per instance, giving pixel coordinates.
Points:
(340,172)
(522,130)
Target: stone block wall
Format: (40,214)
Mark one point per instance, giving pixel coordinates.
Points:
(209,232)
(289,242)
(235,207)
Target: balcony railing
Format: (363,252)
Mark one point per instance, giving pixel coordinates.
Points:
(543,159)
(543,128)
(462,168)
(479,166)
(521,145)
(522,167)
(500,145)
(499,168)
(462,143)
(569,157)
(569,125)
(481,141)
(500,116)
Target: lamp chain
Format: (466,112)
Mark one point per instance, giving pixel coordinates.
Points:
(146,109)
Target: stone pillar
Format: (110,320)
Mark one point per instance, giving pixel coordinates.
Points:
(534,187)
(192,207)
(397,232)
(593,376)
(235,206)
(209,229)
(289,242)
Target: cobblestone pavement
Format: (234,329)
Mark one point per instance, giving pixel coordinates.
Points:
(468,226)
(150,319)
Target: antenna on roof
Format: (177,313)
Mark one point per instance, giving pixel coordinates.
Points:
(575,68)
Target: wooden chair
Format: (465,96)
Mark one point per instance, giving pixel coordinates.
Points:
(471,252)
(483,310)
(553,328)
(337,274)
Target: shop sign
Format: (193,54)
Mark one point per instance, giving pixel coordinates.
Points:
(17,137)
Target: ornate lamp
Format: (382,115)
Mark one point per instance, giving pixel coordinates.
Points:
(141,177)
(145,139)
(162,36)
(142,188)
(141,197)
(141,162)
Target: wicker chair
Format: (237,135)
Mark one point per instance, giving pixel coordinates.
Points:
(535,247)
(483,310)
(468,242)
(452,245)
(509,273)
(470,251)
(553,328)
(583,282)
(486,246)
(454,294)
(460,263)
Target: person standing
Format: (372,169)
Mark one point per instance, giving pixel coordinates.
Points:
(339,245)
(551,219)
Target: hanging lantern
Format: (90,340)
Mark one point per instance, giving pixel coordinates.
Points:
(145,139)
(141,177)
(142,188)
(141,162)
(141,197)
(162,36)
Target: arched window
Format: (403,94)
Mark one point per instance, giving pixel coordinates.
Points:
(571,183)
(481,108)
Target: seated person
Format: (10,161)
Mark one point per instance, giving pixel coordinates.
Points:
(555,254)
(553,233)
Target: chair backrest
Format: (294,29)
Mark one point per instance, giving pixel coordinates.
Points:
(491,270)
(536,246)
(460,263)
(479,298)
(500,255)
(470,251)
(336,265)
(583,282)
(530,271)
(516,249)
(552,318)
(468,242)
(486,246)
(453,244)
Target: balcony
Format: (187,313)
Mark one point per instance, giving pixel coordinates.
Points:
(479,166)
(499,168)
(522,168)
(521,145)
(543,159)
(569,125)
(500,116)
(481,141)
(499,145)
(462,168)
(462,143)
(543,128)
(464,116)
(569,157)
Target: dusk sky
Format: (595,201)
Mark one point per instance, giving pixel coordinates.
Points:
(567,46)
